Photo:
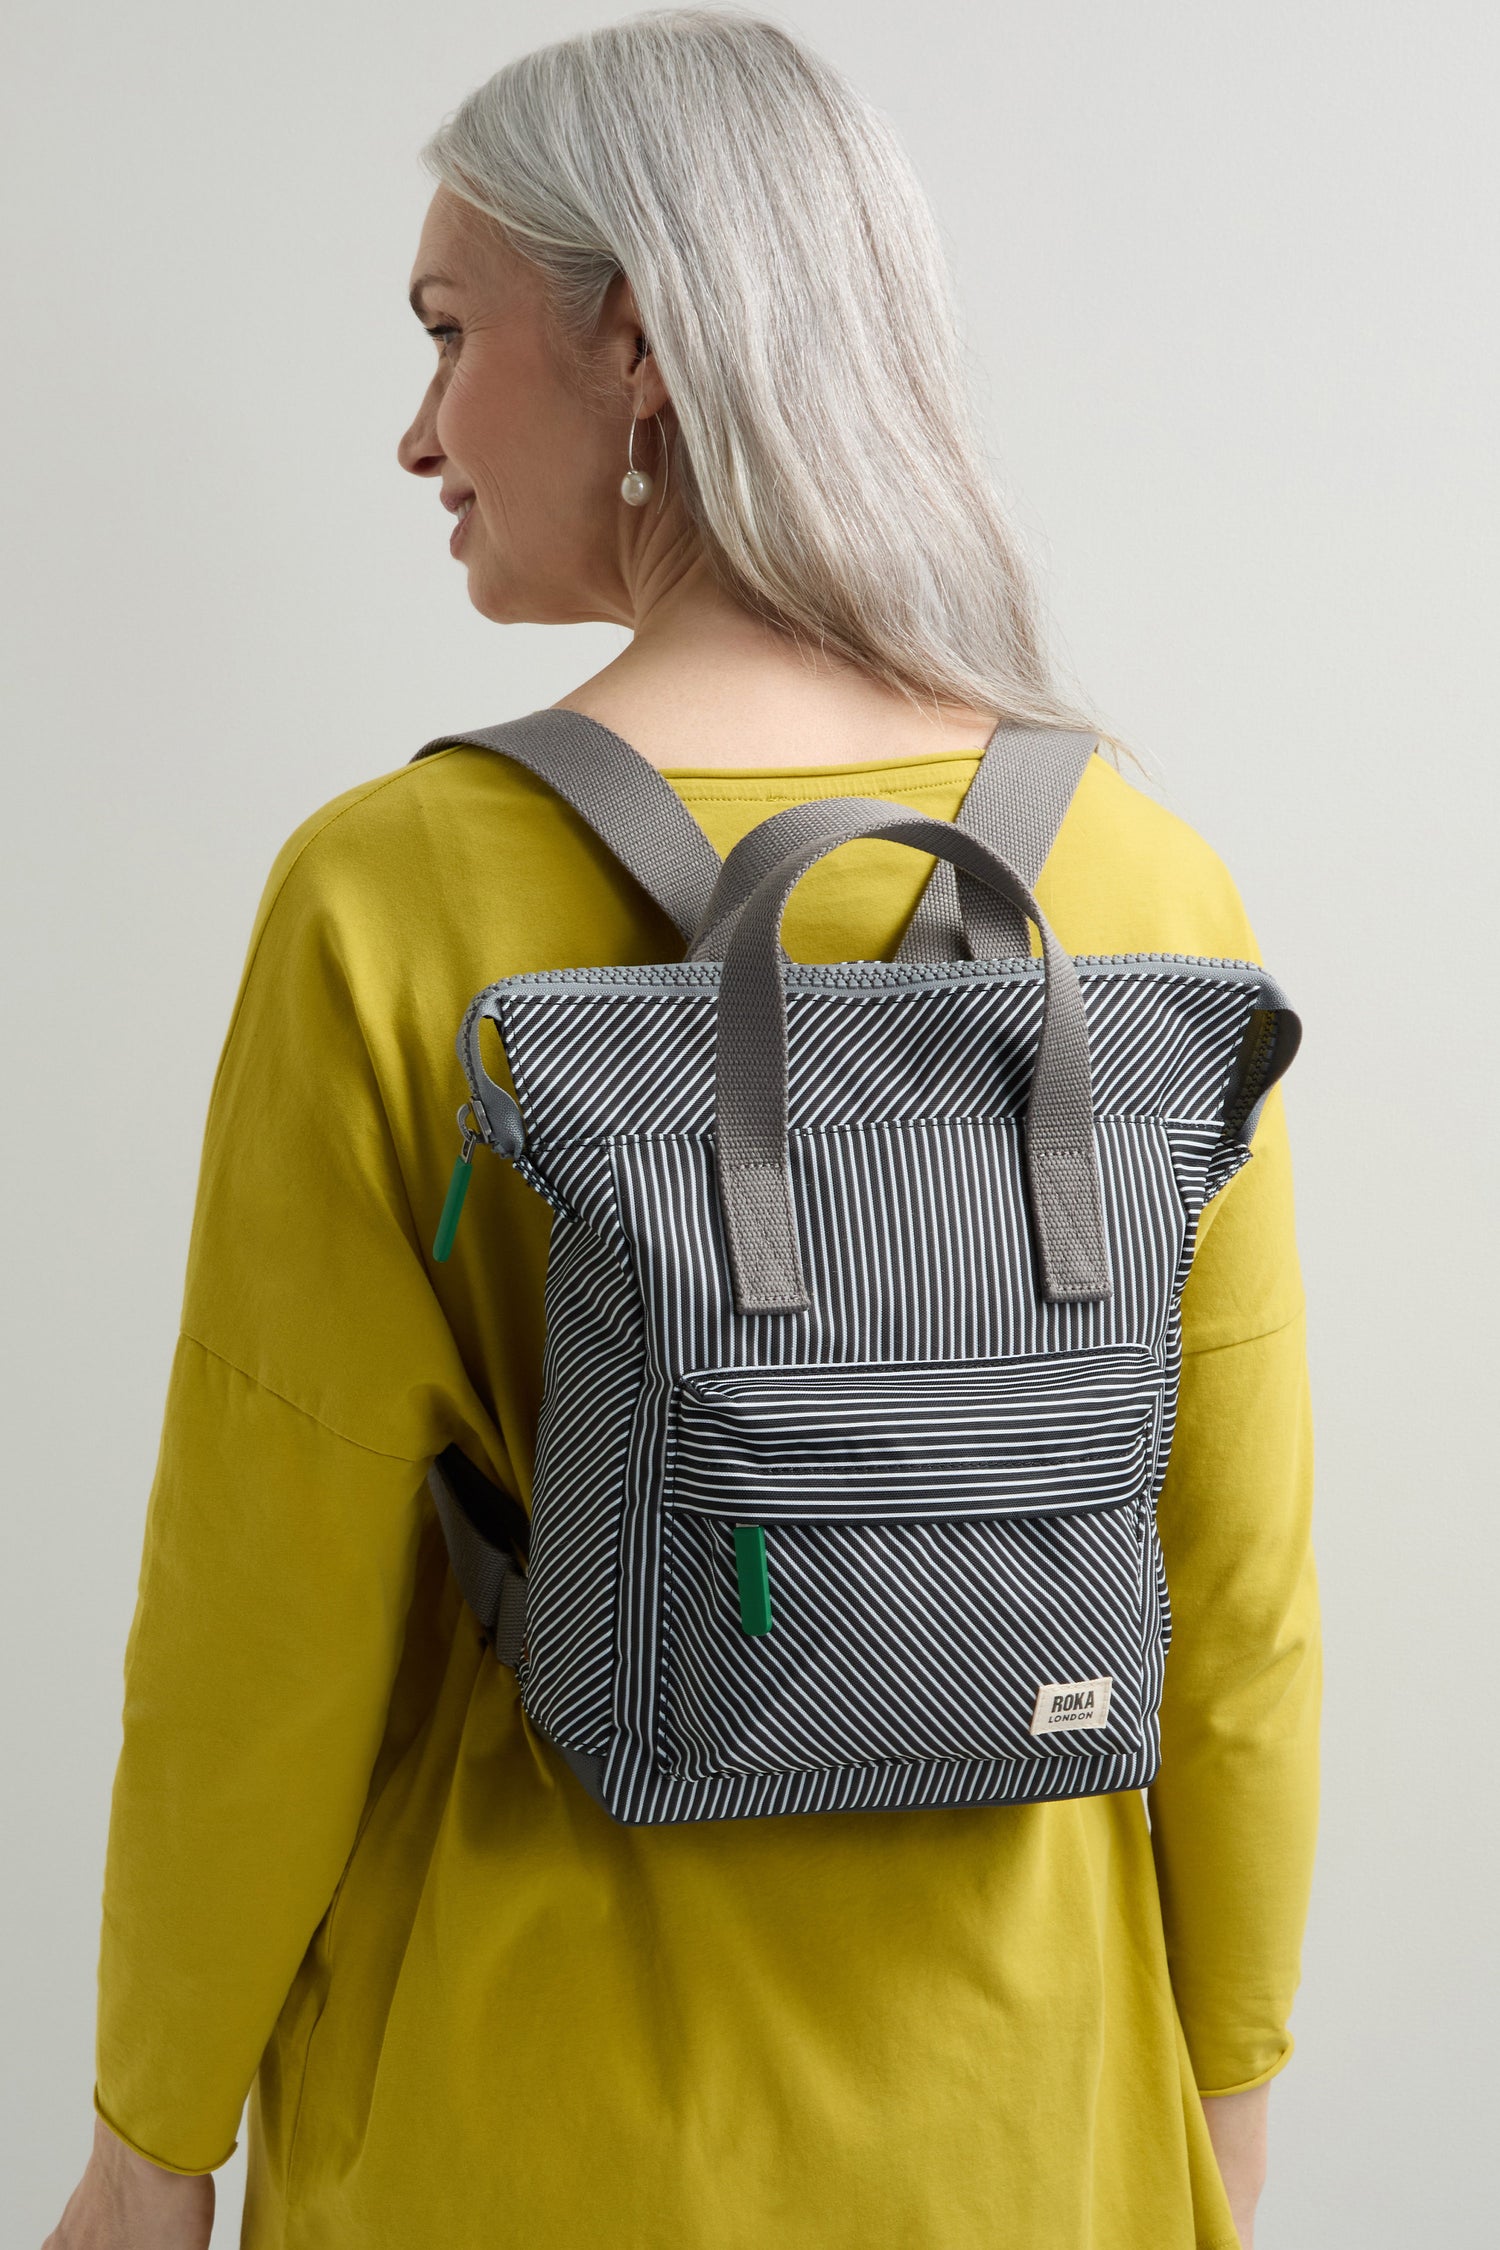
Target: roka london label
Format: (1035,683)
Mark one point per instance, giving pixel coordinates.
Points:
(1069,1706)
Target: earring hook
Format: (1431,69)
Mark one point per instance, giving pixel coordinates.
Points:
(637,485)
(666,463)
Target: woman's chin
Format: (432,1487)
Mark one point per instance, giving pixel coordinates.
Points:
(497,602)
(504,602)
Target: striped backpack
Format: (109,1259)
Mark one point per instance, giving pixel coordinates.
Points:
(862,1314)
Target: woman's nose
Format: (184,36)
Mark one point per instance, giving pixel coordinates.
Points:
(418,450)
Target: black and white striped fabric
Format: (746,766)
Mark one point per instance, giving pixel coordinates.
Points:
(896,1548)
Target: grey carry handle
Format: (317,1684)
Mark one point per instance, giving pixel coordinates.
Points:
(636,815)
(751,1097)
(642,821)
(1016,803)
(771,844)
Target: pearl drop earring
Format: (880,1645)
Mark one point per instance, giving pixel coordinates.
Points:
(636,487)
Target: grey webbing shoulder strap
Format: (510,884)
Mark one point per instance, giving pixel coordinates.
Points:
(485,1534)
(1016,804)
(639,818)
(635,813)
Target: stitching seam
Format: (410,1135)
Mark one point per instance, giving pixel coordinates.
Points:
(369,790)
(1206,1351)
(413,1460)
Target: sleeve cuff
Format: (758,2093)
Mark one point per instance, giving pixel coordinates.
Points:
(1248,2085)
(162,2163)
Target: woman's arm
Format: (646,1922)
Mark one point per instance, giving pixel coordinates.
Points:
(315,1377)
(1237,2128)
(1233,1810)
(125,2203)
(280,1557)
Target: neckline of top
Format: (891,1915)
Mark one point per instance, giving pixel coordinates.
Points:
(747,779)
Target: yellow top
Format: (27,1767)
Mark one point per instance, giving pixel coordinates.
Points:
(480,2010)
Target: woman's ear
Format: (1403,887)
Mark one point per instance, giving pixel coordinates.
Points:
(626,352)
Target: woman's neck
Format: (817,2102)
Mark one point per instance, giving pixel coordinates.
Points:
(704,683)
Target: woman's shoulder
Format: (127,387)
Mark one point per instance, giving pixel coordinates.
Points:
(1128,875)
(464,825)
(397,853)
(430,812)
(451,871)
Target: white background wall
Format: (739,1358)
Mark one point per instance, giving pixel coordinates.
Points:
(1228,275)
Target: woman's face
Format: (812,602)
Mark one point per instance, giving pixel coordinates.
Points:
(527,449)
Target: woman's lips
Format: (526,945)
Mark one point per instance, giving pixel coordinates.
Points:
(456,536)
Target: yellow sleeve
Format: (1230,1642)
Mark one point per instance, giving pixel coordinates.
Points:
(274,1591)
(314,1378)
(1234,1807)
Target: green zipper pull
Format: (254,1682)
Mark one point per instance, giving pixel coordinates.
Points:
(754,1577)
(458,1188)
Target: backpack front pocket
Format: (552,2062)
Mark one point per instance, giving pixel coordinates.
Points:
(925,1561)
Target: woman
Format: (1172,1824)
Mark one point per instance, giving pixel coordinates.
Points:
(344,1874)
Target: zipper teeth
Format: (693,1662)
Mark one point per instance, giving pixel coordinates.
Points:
(1254,1074)
(702,975)
(698,980)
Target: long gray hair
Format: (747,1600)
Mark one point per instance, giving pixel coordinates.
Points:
(792,287)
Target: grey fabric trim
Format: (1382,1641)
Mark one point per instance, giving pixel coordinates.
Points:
(488,1576)
(1016,804)
(751,1095)
(634,813)
(762,1232)
(588,1770)
(509,1636)
(1065,1201)
(1271,1043)
(496,1111)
